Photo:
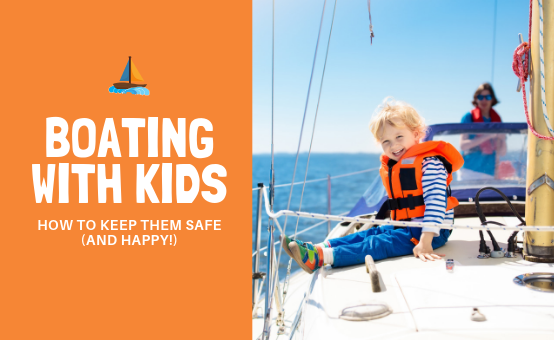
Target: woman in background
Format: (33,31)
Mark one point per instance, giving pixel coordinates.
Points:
(480,151)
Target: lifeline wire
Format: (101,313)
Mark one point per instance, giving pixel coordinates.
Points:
(395,223)
(322,179)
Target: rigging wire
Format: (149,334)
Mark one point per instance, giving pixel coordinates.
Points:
(310,149)
(316,112)
(270,287)
(371,35)
(272,171)
(305,111)
(493,40)
(300,141)
(271,282)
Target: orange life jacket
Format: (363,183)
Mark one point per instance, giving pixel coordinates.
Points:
(402,178)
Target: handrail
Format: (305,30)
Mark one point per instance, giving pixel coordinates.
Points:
(323,179)
(301,232)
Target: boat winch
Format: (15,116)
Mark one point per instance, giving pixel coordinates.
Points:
(543,282)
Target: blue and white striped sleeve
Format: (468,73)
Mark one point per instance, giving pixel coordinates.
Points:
(434,193)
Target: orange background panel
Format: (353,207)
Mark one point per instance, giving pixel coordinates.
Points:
(58,60)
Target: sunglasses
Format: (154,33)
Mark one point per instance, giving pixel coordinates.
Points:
(487,97)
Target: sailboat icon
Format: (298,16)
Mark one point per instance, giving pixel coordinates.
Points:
(131,81)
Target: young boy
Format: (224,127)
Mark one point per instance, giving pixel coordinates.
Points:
(416,175)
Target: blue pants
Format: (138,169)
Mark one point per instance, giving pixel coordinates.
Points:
(379,242)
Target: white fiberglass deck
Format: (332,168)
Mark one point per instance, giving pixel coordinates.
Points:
(427,301)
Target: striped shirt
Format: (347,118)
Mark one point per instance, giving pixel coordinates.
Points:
(434,195)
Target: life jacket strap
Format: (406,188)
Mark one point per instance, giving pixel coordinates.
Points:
(410,202)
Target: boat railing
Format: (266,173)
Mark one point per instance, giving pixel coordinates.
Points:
(257,277)
(299,233)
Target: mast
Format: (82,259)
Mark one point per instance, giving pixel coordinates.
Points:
(539,246)
(129,69)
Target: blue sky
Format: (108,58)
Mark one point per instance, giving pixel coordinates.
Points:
(432,54)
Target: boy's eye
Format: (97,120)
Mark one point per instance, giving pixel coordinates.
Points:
(385,142)
(399,137)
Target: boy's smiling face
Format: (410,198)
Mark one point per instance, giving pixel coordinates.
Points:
(397,141)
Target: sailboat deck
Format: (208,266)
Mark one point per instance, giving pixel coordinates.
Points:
(426,299)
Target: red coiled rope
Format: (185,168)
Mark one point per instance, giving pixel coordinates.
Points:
(521,69)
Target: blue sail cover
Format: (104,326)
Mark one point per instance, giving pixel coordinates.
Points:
(463,195)
(376,194)
(453,128)
(125,75)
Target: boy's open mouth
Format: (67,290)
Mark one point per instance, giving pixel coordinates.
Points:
(398,153)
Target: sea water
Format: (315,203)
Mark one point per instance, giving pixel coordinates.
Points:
(345,192)
(134,90)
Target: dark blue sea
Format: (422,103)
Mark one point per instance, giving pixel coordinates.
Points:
(345,192)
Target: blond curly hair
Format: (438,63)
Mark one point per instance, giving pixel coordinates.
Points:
(398,114)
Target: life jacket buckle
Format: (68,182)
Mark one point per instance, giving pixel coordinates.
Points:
(411,202)
(393,204)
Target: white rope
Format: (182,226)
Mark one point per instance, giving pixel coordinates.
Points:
(280,213)
(541,54)
(322,179)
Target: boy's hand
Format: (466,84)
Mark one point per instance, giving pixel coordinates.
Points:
(424,250)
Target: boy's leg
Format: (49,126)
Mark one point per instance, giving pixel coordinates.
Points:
(285,243)
(379,246)
(357,237)
(441,240)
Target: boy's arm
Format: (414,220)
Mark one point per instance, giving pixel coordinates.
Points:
(434,195)
(424,250)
